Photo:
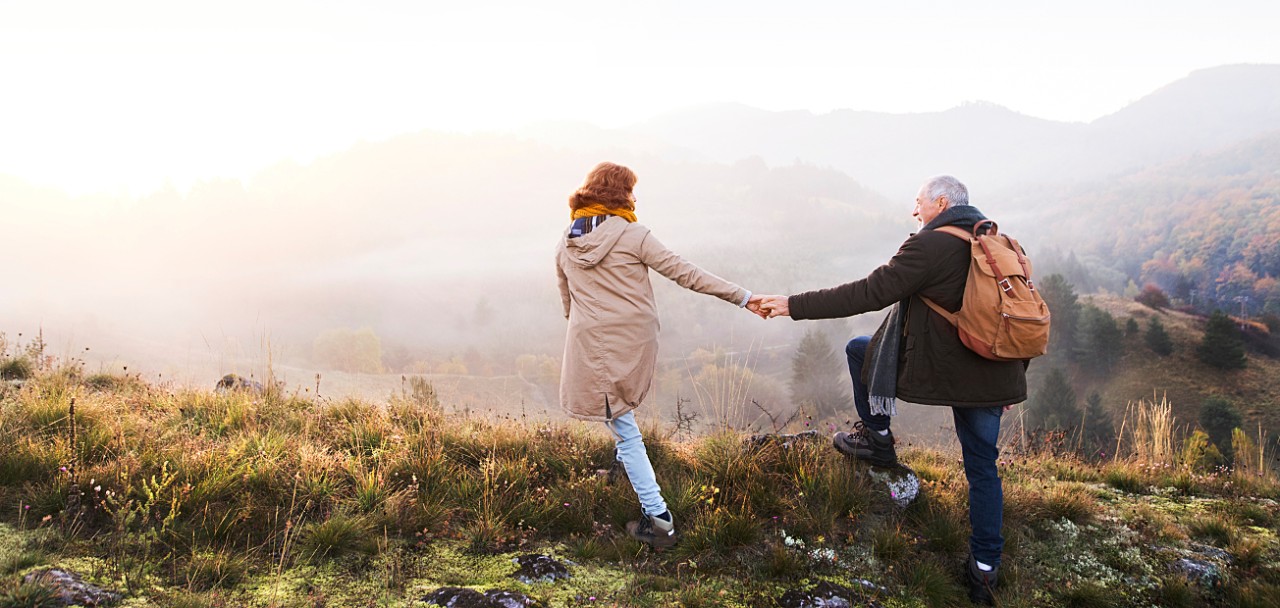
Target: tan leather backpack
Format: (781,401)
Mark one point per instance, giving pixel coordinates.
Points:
(1002,316)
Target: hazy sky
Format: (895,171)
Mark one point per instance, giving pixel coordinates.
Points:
(109,95)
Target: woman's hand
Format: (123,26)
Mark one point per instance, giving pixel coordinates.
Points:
(775,306)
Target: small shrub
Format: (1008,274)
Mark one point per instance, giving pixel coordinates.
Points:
(104,382)
(697,596)
(367,438)
(931,582)
(31,595)
(725,530)
(1089,595)
(889,543)
(1247,553)
(1155,523)
(370,491)
(1125,479)
(1257,594)
(781,562)
(190,600)
(223,569)
(1212,529)
(1219,417)
(944,528)
(1199,454)
(585,547)
(1070,502)
(1185,483)
(13,563)
(337,536)
(1250,512)
(1177,592)
(1153,297)
(488,533)
(18,368)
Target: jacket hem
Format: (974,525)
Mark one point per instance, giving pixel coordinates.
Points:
(593,418)
(961,404)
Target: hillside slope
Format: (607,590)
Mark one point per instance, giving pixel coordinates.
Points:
(1180,378)
(209,500)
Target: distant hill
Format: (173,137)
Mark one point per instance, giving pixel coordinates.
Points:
(1205,228)
(991,147)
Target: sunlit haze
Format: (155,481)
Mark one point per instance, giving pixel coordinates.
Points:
(123,96)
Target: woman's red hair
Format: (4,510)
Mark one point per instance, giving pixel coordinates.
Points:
(608,184)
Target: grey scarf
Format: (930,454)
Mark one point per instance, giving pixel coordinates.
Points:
(883,380)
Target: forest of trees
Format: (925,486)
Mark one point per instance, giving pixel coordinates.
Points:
(1205,231)
(1086,349)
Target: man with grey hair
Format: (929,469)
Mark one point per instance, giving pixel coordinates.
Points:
(917,356)
(940,187)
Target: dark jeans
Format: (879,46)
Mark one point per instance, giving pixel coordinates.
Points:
(978,430)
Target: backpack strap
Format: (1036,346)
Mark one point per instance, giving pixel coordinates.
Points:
(1001,280)
(1022,259)
(965,236)
(955,231)
(949,316)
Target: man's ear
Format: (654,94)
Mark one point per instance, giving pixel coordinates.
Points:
(944,201)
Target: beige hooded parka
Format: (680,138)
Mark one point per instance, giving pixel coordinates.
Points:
(611,348)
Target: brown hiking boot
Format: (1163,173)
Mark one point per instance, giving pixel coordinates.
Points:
(653,531)
(866,444)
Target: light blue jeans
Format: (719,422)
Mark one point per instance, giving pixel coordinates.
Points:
(635,459)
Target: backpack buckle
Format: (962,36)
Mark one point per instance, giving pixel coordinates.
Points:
(1005,285)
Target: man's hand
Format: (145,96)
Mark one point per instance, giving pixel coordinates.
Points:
(753,305)
(775,306)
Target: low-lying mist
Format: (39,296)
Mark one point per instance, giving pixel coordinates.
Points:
(429,255)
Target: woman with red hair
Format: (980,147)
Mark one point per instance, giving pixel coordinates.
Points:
(611,348)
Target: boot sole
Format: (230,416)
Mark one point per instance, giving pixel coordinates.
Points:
(868,458)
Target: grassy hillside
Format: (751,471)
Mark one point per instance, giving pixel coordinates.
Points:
(1180,377)
(181,498)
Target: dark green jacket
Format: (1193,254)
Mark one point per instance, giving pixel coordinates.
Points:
(934,367)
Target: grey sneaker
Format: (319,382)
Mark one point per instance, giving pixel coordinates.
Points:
(866,444)
(653,531)
(981,584)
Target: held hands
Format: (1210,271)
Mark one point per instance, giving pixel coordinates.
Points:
(768,307)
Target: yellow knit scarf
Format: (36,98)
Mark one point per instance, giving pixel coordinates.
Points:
(598,209)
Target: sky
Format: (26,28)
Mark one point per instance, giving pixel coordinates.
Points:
(126,96)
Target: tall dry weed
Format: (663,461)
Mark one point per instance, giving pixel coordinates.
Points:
(1150,428)
(723,389)
(1251,458)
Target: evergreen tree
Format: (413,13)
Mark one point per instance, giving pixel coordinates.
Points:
(819,376)
(1182,289)
(1219,418)
(1054,405)
(1157,338)
(1222,346)
(1099,429)
(1131,327)
(1078,274)
(1064,305)
(1099,340)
